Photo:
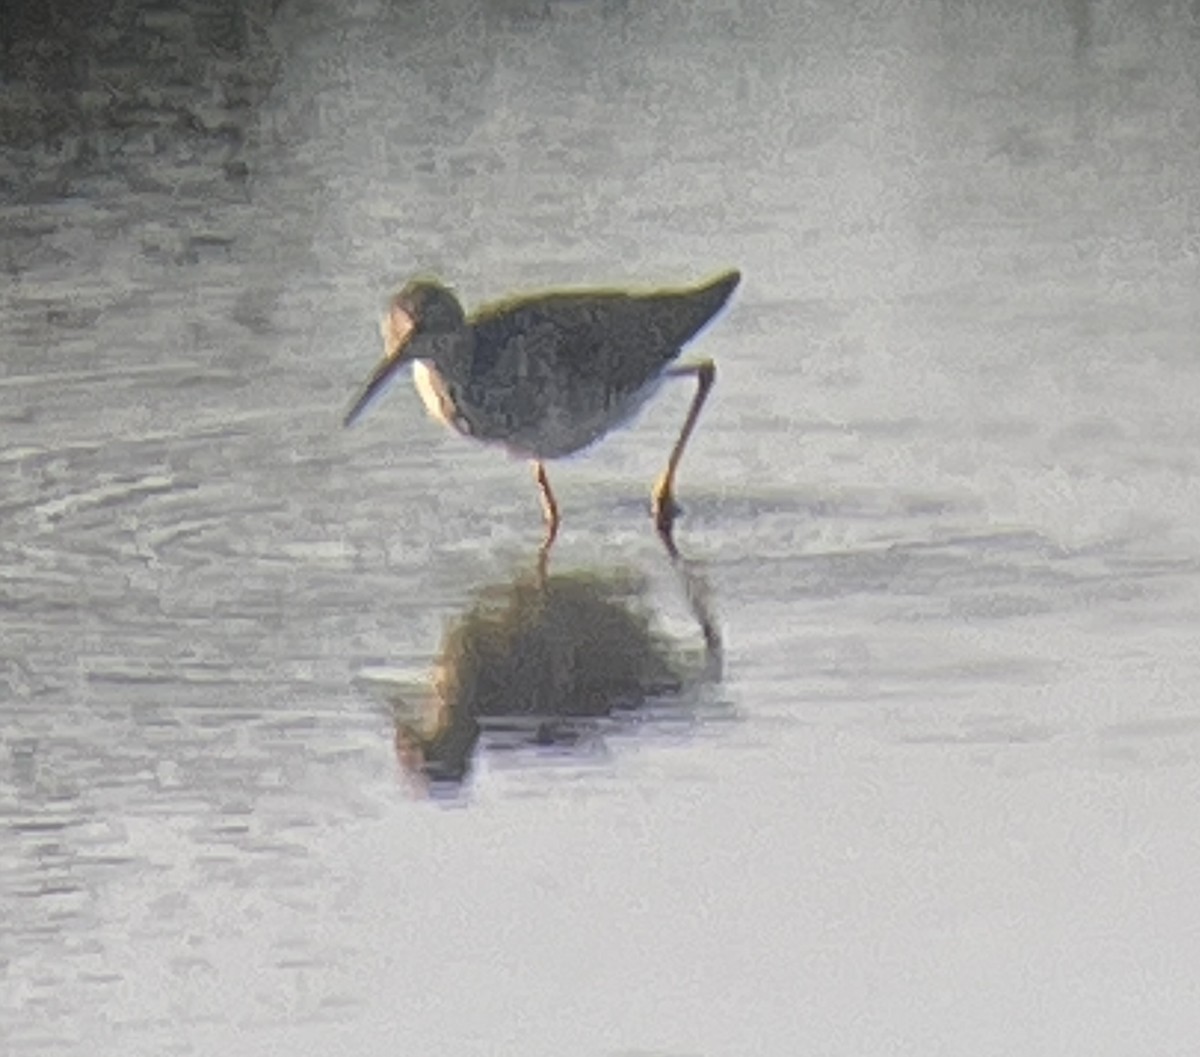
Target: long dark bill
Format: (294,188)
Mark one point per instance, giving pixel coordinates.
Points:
(375,385)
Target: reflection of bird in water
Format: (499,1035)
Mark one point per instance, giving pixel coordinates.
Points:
(542,654)
(549,374)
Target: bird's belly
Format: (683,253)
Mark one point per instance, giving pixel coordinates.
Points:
(563,431)
(562,425)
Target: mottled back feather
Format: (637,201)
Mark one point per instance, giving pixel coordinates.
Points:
(623,339)
(551,373)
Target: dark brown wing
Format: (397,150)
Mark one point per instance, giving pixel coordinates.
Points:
(575,358)
(623,340)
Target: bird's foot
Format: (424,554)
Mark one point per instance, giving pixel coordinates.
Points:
(664,509)
(543,562)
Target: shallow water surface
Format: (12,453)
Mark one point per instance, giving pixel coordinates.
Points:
(944,500)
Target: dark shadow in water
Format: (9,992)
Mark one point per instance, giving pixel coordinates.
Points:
(1082,21)
(530,14)
(132,91)
(544,661)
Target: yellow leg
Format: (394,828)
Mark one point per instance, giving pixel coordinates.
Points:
(664,507)
(549,506)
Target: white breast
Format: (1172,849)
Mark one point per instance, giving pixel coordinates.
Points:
(434,395)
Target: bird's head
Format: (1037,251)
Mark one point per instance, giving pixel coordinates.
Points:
(422,320)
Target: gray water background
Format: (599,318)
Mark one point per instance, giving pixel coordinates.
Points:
(945,492)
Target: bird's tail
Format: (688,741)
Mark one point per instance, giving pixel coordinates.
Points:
(689,310)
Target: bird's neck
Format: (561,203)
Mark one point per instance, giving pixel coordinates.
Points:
(452,356)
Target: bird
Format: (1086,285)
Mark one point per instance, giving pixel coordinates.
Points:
(548,374)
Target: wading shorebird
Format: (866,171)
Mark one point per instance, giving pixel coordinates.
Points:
(548,374)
